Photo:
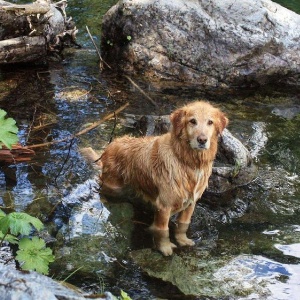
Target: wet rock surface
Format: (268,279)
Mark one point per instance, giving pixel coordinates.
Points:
(258,224)
(207,44)
(31,285)
(240,277)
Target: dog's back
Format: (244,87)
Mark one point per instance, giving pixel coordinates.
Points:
(171,171)
(130,162)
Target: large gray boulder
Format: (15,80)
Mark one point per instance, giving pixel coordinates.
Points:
(204,43)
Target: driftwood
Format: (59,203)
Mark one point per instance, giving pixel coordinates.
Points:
(18,153)
(233,167)
(30,32)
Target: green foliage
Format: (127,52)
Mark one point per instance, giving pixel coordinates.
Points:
(2,214)
(237,169)
(33,253)
(19,223)
(9,238)
(8,130)
(124,296)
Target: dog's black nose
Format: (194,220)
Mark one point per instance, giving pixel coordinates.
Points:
(201,140)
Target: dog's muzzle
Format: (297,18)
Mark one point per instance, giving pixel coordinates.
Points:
(202,142)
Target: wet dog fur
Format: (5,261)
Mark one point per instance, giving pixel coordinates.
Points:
(171,171)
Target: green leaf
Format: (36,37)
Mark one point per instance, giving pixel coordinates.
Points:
(8,130)
(19,223)
(34,255)
(9,238)
(124,296)
(32,244)
(2,214)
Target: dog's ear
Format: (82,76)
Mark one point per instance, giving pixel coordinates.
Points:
(222,122)
(177,121)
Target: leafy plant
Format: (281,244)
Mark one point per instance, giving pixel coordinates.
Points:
(19,223)
(33,253)
(9,130)
(124,296)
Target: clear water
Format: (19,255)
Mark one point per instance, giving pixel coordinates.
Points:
(253,233)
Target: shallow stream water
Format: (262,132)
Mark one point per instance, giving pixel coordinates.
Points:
(247,242)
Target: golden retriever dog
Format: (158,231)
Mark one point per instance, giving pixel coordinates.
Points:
(171,171)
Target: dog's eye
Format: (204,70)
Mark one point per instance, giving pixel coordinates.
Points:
(193,121)
(210,122)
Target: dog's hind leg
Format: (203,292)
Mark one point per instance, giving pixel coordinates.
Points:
(160,231)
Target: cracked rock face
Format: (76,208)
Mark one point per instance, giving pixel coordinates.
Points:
(204,43)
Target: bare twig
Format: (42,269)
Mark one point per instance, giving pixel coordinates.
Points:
(113,130)
(141,91)
(101,59)
(65,161)
(31,124)
(131,81)
(107,117)
(94,125)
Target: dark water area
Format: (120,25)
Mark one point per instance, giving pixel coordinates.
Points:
(247,243)
(293,5)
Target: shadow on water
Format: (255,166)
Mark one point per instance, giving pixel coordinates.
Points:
(247,241)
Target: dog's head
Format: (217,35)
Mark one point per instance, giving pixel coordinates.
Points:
(198,123)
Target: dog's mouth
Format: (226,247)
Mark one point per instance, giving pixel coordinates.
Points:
(202,146)
(199,146)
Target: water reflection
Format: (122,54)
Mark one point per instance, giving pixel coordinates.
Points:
(293,249)
(259,231)
(259,220)
(272,280)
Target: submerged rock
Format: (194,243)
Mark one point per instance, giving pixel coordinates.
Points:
(205,275)
(204,43)
(287,112)
(102,229)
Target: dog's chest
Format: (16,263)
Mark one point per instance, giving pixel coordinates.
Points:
(196,183)
(199,181)
(197,188)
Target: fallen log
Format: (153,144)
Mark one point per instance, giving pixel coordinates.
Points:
(22,49)
(18,153)
(31,32)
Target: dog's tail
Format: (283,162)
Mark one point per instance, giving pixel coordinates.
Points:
(92,156)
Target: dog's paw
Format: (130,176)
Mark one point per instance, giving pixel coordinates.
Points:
(162,241)
(180,235)
(167,248)
(182,240)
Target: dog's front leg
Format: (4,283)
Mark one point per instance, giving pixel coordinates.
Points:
(160,231)
(184,220)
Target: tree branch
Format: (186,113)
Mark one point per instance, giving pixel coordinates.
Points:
(94,125)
